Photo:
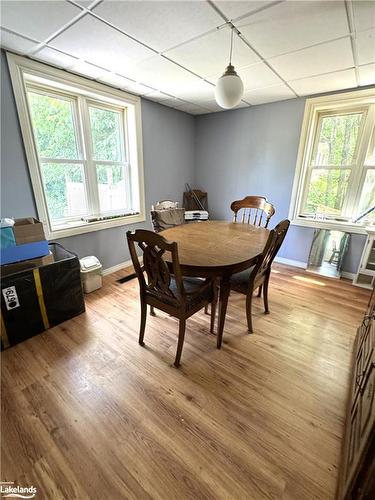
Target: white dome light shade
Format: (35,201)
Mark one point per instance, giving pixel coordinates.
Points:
(229,89)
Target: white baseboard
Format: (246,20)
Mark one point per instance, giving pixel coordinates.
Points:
(290,262)
(349,276)
(117,267)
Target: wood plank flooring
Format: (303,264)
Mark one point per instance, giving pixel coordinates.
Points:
(89,414)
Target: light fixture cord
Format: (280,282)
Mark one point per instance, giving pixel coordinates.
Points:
(231,46)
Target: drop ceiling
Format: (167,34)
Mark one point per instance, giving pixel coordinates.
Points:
(172,52)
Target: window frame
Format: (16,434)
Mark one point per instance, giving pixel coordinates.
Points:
(66,85)
(315,108)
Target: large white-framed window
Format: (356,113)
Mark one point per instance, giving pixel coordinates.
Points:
(334,181)
(83,142)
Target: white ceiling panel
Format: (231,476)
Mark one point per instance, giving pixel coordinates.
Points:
(55,57)
(268,94)
(116,80)
(367,74)
(96,42)
(87,69)
(161,25)
(364,14)
(213,106)
(162,74)
(209,55)
(192,108)
(258,75)
(293,25)
(365,42)
(235,9)
(325,83)
(35,19)
(197,91)
(138,88)
(17,43)
(157,96)
(315,60)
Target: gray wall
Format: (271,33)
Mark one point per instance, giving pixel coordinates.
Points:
(227,154)
(254,151)
(168,151)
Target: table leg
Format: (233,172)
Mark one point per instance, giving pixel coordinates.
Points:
(223,302)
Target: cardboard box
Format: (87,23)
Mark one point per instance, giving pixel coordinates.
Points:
(26,264)
(28,230)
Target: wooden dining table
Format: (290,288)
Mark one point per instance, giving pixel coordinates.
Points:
(217,249)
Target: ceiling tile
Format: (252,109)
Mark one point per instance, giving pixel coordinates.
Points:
(316,60)
(365,42)
(290,26)
(197,91)
(15,42)
(157,96)
(87,69)
(209,55)
(37,19)
(364,14)
(116,80)
(138,88)
(258,75)
(367,74)
(173,102)
(235,9)
(268,94)
(191,108)
(213,106)
(161,25)
(55,57)
(161,74)
(96,42)
(325,83)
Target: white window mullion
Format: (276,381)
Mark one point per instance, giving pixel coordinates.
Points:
(89,166)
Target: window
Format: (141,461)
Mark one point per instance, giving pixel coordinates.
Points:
(83,145)
(335,175)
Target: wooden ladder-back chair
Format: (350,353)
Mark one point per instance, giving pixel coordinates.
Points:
(165,288)
(256,210)
(258,276)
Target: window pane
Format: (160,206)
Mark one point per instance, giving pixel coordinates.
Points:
(106,135)
(337,140)
(53,125)
(368,194)
(370,159)
(112,187)
(64,187)
(327,191)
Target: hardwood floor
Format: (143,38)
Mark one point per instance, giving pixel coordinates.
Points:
(89,414)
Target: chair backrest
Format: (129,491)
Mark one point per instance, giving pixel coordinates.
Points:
(164,219)
(274,242)
(165,204)
(256,210)
(153,247)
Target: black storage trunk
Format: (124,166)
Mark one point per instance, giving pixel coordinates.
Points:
(36,299)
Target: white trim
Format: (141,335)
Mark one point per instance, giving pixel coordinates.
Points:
(291,262)
(117,267)
(18,66)
(312,108)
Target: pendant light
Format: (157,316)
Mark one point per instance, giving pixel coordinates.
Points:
(229,87)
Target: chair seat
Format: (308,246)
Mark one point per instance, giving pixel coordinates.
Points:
(239,282)
(196,292)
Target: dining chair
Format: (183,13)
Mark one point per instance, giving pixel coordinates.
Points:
(257,210)
(258,276)
(165,288)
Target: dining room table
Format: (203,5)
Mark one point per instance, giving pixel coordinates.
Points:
(217,249)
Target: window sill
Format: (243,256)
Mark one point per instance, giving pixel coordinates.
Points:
(333,225)
(82,227)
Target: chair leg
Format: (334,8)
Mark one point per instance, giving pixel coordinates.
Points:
(143,322)
(152,311)
(260,291)
(206,309)
(249,297)
(213,316)
(265,295)
(181,336)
